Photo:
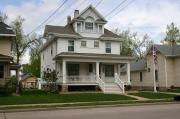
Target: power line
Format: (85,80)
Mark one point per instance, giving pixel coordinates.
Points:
(81,3)
(48,18)
(115,8)
(98,3)
(122,8)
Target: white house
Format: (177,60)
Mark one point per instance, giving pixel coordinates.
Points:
(85,53)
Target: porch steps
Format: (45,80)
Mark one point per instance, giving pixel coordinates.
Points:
(112,88)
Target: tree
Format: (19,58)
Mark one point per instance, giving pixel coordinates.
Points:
(172,34)
(3,17)
(132,45)
(20,44)
(34,66)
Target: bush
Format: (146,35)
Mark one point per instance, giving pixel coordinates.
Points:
(128,87)
(172,87)
(10,86)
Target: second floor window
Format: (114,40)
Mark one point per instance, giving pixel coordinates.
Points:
(108,47)
(100,28)
(89,26)
(83,43)
(96,44)
(71,45)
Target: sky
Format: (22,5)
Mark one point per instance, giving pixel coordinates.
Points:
(142,16)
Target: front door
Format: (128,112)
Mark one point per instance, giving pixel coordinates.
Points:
(73,69)
(109,70)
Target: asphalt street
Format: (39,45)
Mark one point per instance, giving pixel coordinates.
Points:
(168,111)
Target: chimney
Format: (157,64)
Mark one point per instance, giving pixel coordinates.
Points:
(76,13)
(69,19)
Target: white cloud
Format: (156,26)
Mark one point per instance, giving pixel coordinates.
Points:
(149,16)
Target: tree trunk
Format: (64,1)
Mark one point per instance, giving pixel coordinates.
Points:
(17,76)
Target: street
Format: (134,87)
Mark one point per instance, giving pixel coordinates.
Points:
(169,111)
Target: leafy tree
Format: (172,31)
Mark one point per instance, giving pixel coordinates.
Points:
(132,45)
(3,17)
(50,76)
(34,66)
(20,44)
(172,34)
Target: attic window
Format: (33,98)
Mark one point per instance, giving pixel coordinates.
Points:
(100,28)
(78,27)
(89,26)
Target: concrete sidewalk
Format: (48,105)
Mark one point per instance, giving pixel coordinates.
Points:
(136,97)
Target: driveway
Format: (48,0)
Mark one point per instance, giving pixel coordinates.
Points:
(168,111)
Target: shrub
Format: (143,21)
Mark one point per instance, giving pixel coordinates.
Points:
(10,86)
(172,87)
(128,87)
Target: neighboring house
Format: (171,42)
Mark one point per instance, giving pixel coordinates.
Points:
(6,37)
(167,70)
(29,81)
(85,54)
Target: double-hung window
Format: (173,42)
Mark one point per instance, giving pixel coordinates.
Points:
(1,71)
(71,45)
(83,43)
(89,26)
(96,44)
(79,27)
(108,47)
(100,28)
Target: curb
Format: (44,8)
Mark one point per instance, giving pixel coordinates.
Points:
(84,107)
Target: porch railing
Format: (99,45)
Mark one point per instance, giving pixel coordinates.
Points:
(119,82)
(81,79)
(101,83)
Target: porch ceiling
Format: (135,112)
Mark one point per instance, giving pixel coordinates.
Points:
(92,56)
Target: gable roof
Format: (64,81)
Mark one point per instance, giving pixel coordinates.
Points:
(6,30)
(139,65)
(67,29)
(94,10)
(168,50)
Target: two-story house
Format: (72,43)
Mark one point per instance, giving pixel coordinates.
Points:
(85,54)
(6,38)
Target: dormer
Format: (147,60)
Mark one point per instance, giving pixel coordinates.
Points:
(89,21)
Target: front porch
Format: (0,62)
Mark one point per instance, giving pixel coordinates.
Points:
(102,70)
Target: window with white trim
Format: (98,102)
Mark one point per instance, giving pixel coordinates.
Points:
(71,45)
(96,44)
(108,47)
(83,43)
(100,27)
(89,26)
(1,71)
(79,27)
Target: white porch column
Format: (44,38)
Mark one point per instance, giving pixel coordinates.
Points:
(119,69)
(128,71)
(97,69)
(64,71)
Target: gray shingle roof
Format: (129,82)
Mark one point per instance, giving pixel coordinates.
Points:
(139,65)
(5,29)
(168,50)
(68,29)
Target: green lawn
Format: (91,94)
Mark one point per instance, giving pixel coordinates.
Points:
(39,97)
(176,90)
(152,95)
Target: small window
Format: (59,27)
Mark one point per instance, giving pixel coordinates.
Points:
(100,28)
(71,45)
(83,43)
(96,44)
(90,68)
(78,27)
(156,75)
(141,76)
(108,47)
(51,50)
(89,26)
(1,71)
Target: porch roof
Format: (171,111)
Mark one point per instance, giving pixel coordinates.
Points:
(5,58)
(92,56)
